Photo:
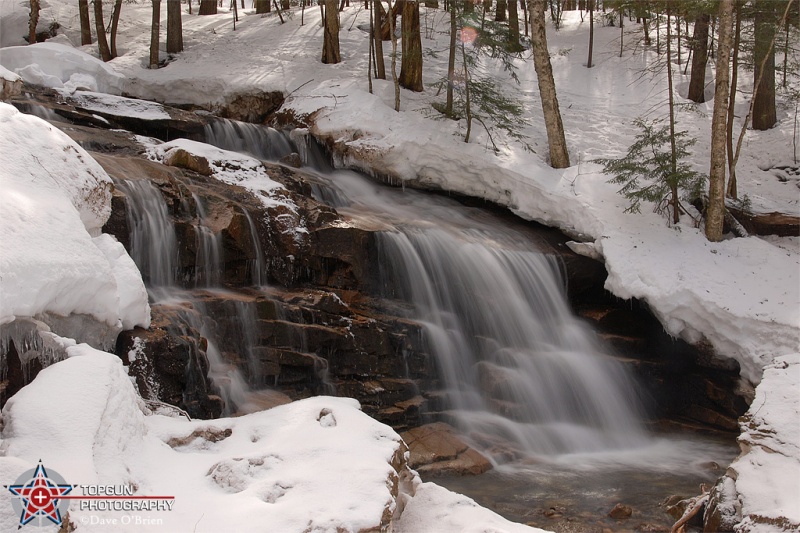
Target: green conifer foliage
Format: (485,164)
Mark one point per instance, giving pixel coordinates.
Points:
(646,171)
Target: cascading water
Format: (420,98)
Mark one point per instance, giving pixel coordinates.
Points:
(515,362)
(261,142)
(154,245)
(208,269)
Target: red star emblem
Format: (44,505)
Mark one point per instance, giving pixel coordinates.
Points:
(39,497)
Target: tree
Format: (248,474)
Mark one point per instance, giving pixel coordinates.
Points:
(380,66)
(175,27)
(651,173)
(33,21)
(155,28)
(263,6)
(451,61)
(114,26)
(559,157)
(764,113)
(697,82)
(411,60)
(86,27)
(330,40)
(100,28)
(208,7)
(513,28)
(715,213)
(591,33)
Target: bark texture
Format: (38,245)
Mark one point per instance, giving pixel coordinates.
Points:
(208,7)
(86,24)
(559,157)
(174,27)
(697,83)
(715,213)
(411,63)
(155,29)
(764,113)
(330,43)
(100,28)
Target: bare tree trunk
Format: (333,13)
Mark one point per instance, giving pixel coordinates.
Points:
(559,157)
(208,7)
(451,61)
(175,26)
(732,188)
(155,29)
(591,33)
(330,43)
(466,90)
(263,6)
(33,21)
(500,12)
(380,66)
(697,83)
(411,61)
(715,214)
(394,59)
(764,113)
(676,212)
(525,15)
(621,32)
(513,27)
(100,28)
(86,25)
(115,26)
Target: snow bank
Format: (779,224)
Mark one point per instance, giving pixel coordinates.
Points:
(770,442)
(314,465)
(119,106)
(55,200)
(58,66)
(434,508)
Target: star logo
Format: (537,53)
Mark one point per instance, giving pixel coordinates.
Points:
(37,494)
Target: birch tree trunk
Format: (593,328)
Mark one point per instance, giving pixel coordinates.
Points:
(559,157)
(715,214)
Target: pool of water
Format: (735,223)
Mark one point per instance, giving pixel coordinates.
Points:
(575,493)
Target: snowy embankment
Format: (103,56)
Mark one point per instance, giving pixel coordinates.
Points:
(56,264)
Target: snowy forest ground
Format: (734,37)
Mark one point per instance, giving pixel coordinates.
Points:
(742,295)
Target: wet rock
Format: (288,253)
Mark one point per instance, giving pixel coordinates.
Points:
(555,511)
(178,157)
(292,160)
(436,450)
(10,88)
(723,510)
(251,107)
(620,512)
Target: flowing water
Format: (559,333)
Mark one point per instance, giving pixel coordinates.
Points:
(525,381)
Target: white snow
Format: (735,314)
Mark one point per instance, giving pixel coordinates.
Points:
(118,106)
(313,465)
(771,444)
(55,260)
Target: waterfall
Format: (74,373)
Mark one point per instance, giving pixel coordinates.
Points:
(515,362)
(208,260)
(154,245)
(261,142)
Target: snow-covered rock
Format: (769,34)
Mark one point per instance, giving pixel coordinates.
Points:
(10,84)
(55,262)
(770,443)
(313,465)
(61,67)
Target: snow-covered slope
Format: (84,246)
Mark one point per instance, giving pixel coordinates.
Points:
(55,259)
